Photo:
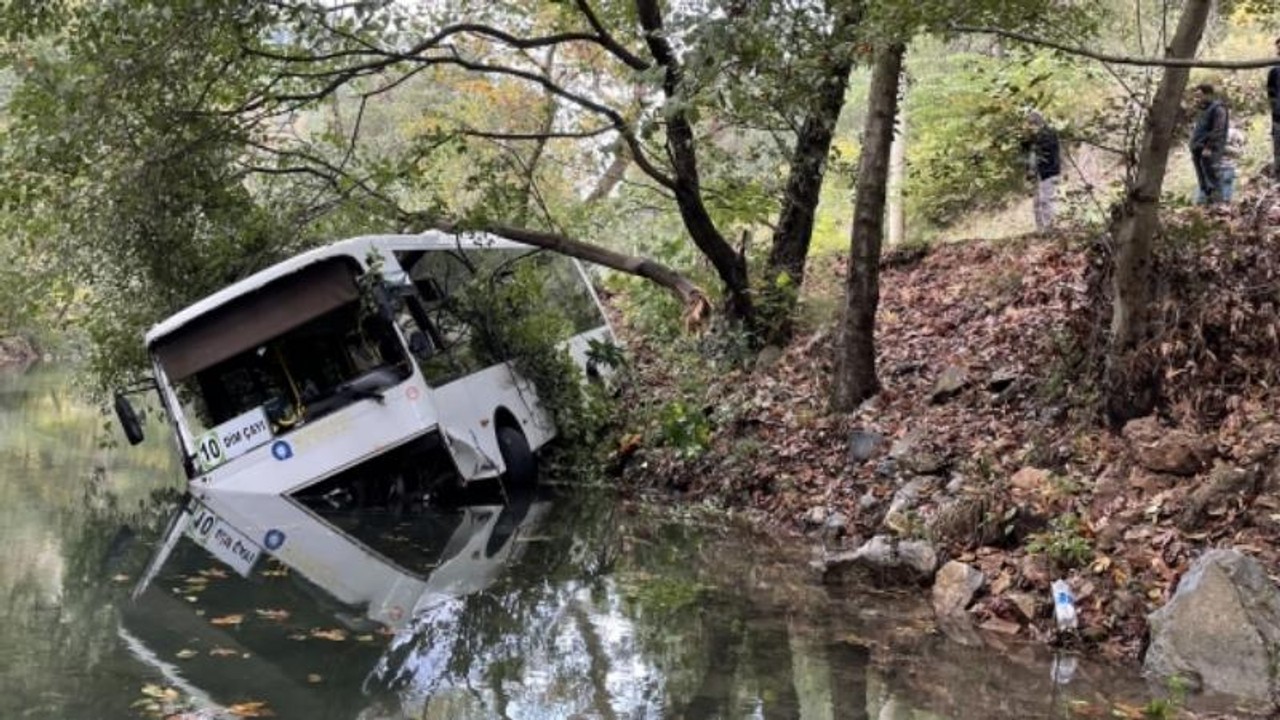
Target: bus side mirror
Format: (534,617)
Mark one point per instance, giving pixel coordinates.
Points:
(129,419)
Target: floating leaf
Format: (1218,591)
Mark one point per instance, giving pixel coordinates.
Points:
(272,614)
(227,620)
(223,652)
(334,635)
(185,653)
(167,694)
(314,678)
(364,638)
(120,578)
(250,709)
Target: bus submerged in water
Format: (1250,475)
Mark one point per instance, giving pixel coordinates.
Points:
(351,366)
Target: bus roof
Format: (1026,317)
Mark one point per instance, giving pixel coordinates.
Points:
(356,247)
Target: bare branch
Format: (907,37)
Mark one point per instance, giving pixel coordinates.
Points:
(608,42)
(538,136)
(1120,59)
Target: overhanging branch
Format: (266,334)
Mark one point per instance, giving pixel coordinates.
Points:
(1253,64)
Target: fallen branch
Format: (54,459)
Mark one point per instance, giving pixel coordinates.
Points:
(697,306)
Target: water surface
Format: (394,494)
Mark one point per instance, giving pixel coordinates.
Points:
(564,605)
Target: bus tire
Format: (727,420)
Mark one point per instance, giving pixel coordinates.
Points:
(522,466)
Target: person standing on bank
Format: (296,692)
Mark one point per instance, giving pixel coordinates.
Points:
(1209,142)
(1044,165)
(1273,95)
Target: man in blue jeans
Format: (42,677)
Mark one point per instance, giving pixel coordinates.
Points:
(1209,142)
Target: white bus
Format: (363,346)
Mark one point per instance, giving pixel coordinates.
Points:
(351,362)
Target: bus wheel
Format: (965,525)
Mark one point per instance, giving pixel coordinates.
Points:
(522,466)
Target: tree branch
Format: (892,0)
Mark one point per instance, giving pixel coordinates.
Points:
(1120,59)
(608,42)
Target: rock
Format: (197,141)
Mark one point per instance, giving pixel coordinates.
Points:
(954,588)
(1158,449)
(768,357)
(1027,604)
(1002,380)
(956,484)
(816,516)
(887,468)
(1222,627)
(868,501)
(966,521)
(1225,483)
(883,561)
(949,384)
(908,496)
(836,525)
(999,625)
(924,463)
(1030,479)
(863,445)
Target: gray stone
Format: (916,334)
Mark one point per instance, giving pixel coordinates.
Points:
(868,501)
(883,561)
(1002,380)
(836,524)
(905,444)
(816,516)
(954,588)
(949,384)
(908,496)
(768,357)
(863,445)
(887,467)
(918,556)
(1222,628)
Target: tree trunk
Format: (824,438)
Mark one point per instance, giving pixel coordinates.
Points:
(1132,385)
(898,183)
(697,306)
(855,372)
(794,231)
(682,151)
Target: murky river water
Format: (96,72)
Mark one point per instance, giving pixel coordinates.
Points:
(560,606)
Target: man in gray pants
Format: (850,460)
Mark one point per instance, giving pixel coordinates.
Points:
(1044,165)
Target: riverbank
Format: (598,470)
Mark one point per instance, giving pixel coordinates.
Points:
(17,352)
(987,443)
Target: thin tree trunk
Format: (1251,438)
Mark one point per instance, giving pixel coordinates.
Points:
(1132,390)
(612,175)
(682,151)
(540,146)
(856,378)
(794,230)
(898,182)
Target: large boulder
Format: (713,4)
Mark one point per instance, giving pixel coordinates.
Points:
(1220,629)
(954,588)
(1165,450)
(883,560)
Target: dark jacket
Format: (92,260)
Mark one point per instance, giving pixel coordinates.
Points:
(1273,93)
(1048,158)
(1211,129)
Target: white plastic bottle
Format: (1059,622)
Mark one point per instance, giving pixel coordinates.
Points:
(1064,605)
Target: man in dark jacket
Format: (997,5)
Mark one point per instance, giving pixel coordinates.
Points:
(1273,95)
(1209,142)
(1044,164)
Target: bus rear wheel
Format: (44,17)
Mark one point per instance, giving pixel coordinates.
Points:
(522,466)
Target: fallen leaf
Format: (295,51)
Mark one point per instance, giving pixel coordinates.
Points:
(314,678)
(159,693)
(217,573)
(120,578)
(227,620)
(222,652)
(272,614)
(335,635)
(364,638)
(250,709)
(185,653)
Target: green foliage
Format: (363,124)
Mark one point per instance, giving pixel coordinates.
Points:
(684,428)
(1064,543)
(968,119)
(515,318)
